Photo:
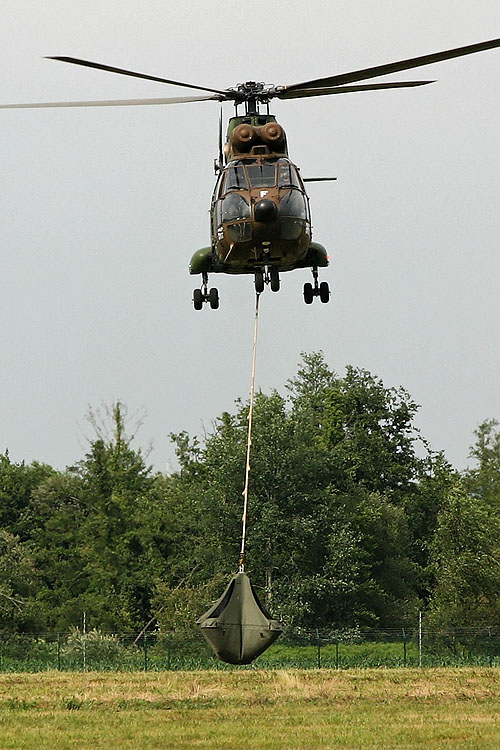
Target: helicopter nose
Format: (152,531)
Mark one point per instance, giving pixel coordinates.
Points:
(265,211)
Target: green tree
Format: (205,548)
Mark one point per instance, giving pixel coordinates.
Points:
(56,516)
(98,534)
(483,481)
(18,586)
(366,429)
(115,484)
(17,481)
(465,556)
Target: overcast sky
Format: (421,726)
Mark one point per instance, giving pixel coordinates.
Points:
(101,210)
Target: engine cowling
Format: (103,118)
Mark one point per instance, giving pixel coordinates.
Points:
(243,138)
(273,135)
(247,139)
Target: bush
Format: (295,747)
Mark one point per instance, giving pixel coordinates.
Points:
(100,649)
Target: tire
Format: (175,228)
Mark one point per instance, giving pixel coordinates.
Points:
(308,293)
(213,298)
(259,282)
(197,299)
(275,280)
(324,291)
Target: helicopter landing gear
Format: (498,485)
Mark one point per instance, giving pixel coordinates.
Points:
(270,276)
(318,290)
(213,298)
(198,299)
(308,293)
(259,282)
(200,296)
(274,278)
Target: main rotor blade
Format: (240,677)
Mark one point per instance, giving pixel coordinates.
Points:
(122,71)
(299,93)
(112,102)
(382,70)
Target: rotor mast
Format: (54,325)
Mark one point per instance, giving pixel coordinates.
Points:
(251,94)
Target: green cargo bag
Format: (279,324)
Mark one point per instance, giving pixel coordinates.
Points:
(238,627)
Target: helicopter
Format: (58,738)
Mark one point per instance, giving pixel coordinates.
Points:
(260,214)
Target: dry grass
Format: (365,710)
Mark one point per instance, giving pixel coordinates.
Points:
(252,709)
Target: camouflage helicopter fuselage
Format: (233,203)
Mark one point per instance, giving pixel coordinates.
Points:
(260,217)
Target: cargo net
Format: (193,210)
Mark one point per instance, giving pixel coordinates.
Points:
(238,627)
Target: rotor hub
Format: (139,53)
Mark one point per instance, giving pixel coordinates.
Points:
(251,94)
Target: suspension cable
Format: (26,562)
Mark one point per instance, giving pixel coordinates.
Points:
(249,439)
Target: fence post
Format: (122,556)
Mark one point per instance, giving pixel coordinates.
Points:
(420,638)
(145,647)
(404,648)
(337,654)
(84,642)
(169,654)
(59,652)
(490,643)
(318,643)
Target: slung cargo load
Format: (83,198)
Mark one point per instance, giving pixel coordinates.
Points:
(238,627)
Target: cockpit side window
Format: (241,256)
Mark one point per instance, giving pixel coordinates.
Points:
(287,175)
(261,175)
(218,187)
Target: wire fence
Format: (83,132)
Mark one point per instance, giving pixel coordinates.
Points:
(395,647)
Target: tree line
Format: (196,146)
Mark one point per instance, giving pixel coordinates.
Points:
(353,519)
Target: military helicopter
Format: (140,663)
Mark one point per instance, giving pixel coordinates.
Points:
(260,216)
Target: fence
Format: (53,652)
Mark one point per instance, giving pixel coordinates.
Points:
(397,647)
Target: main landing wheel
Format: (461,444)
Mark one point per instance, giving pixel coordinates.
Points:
(213,298)
(317,290)
(308,293)
(200,296)
(324,291)
(198,299)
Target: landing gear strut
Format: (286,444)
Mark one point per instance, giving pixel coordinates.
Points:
(318,290)
(200,296)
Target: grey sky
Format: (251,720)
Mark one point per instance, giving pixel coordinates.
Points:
(101,210)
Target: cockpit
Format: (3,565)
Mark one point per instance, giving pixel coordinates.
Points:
(245,181)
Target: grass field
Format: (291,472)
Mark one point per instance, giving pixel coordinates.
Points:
(252,709)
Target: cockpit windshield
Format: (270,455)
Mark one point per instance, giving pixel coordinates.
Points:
(261,175)
(255,174)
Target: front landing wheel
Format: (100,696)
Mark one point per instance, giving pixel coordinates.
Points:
(275,280)
(259,282)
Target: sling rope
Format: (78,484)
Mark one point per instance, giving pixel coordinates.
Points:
(249,439)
